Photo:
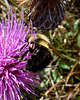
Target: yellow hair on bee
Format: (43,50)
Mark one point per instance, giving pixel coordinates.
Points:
(38,36)
(41,40)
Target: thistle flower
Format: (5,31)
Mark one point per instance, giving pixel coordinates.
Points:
(12,39)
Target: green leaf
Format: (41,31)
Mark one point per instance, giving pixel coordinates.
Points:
(66,23)
(54,74)
(76,25)
(78,98)
(68,34)
(24,9)
(64,66)
(78,40)
(58,79)
(42,84)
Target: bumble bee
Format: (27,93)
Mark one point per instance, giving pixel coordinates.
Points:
(41,54)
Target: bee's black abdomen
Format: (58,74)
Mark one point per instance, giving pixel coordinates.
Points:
(39,59)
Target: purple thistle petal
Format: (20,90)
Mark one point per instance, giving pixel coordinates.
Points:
(12,39)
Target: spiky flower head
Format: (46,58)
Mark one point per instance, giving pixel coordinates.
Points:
(12,77)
